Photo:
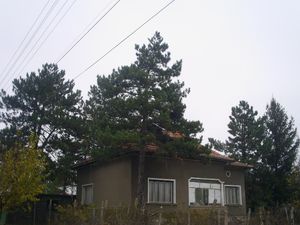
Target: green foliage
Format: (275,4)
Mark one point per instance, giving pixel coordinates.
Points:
(21,175)
(125,105)
(133,101)
(270,144)
(45,104)
(217,144)
(73,215)
(294,185)
(247,132)
(283,136)
(185,149)
(277,216)
(246,143)
(279,159)
(124,215)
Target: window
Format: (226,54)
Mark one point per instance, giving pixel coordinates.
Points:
(204,192)
(233,195)
(161,191)
(87,194)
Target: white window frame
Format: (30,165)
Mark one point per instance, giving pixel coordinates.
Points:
(161,179)
(240,193)
(84,185)
(207,179)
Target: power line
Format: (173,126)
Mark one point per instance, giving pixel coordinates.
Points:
(31,38)
(28,57)
(28,32)
(88,26)
(88,31)
(42,34)
(49,34)
(124,39)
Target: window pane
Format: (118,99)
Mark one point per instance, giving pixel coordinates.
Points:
(87,194)
(201,196)
(238,196)
(232,195)
(156,192)
(160,191)
(218,196)
(192,198)
(151,191)
(206,192)
(168,192)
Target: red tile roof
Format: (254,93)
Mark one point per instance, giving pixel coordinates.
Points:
(152,148)
(217,155)
(240,164)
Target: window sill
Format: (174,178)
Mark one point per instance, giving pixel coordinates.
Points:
(161,204)
(205,206)
(233,205)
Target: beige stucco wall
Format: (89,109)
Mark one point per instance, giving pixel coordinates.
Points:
(116,181)
(182,170)
(111,181)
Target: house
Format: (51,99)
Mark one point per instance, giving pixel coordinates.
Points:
(172,182)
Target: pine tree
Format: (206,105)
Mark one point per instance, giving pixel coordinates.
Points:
(44,104)
(130,104)
(246,142)
(247,132)
(279,159)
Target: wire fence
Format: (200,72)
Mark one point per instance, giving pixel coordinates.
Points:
(124,215)
(104,214)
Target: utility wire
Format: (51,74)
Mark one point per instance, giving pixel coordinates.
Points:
(42,34)
(124,39)
(30,39)
(49,34)
(28,57)
(28,32)
(88,26)
(88,31)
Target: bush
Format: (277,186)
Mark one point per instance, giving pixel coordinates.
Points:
(123,215)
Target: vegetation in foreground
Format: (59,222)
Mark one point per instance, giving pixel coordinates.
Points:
(206,216)
(128,106)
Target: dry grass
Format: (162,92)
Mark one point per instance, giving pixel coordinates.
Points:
(92,215)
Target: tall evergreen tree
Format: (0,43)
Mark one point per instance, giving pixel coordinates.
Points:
(270,143)
(46,105)
(130,104)
(294,185)
(247,133)
(278,160)
(246,142)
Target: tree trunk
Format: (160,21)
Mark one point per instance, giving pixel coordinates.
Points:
(141,179)
(2,217)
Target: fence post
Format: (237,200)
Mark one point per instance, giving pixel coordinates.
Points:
(248,216)
(287,215)
(128,209)
(225,216)
(50,210)
(102,213)
(94,215)
(159,216)
(189,217)
(34,213)
(219,216)
(292,216)
(3,217)
(261,216)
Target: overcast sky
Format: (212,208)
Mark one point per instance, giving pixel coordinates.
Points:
(232,50)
